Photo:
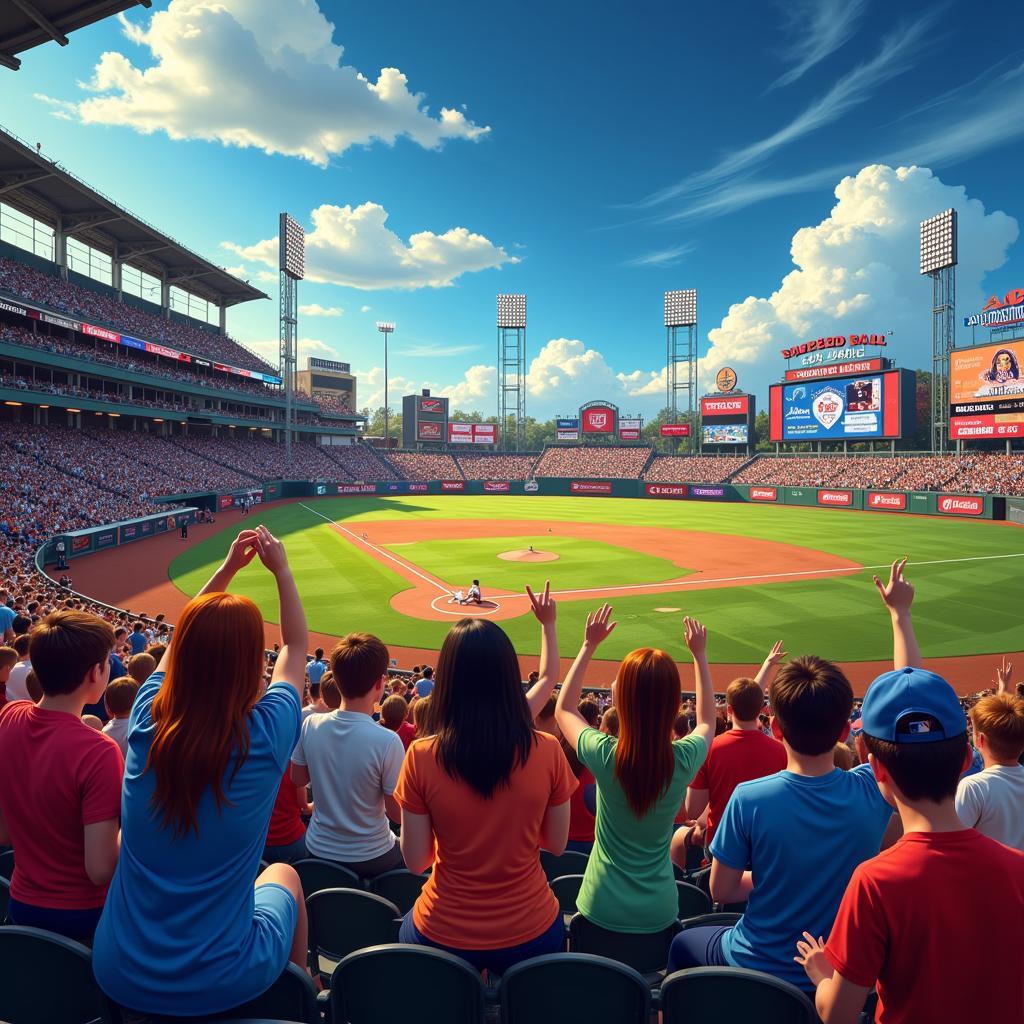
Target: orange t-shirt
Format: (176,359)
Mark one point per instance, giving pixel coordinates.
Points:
(487,889)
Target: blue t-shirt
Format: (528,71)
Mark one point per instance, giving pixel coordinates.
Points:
(137,642)
(178,933)
(117,668)
(6,618)
(802,836)
(315,670)
(425,687)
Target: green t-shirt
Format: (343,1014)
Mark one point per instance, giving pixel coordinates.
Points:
(629,885)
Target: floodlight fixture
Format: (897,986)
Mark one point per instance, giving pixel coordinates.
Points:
(938,242)
(385,328)
(291,238)
(681,308)
(512,311)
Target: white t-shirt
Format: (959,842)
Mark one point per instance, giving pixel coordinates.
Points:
(117,730)
(16,687)
(352,765)
(993,802)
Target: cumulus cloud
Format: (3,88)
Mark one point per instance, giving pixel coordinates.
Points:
(477,391)
(270,349)
(565,369)
(315,309)
(370,384)
(364,309)
(353,246)
(857,271)
(253,73)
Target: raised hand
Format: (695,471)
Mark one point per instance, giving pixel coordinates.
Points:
(898,593)
(271,551)
(695,635)
(775,655)
(811,957)
(598,627)
(242,551)
(1004,676)
(544,605)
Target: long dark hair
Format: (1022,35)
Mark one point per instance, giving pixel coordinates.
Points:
(1014,368)
(478,711)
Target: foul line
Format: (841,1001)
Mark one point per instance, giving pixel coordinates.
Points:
(380,551)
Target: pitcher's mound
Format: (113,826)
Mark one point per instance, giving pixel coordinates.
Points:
(525,555)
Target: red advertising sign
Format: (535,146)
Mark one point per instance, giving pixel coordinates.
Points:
(882,501)
(79,543)
(101,332)
(1007,424)
(733,405)
(487,433)
(629,434)
(835,370)
(598,419)
(497,487)
(675,430)
(472,433)
(960,505)
(428,431)
(357,488)
(225,501)
(835,497)
(764,494)
(590,487)
(665,490)
(837,341)
(453,485)
(434,405)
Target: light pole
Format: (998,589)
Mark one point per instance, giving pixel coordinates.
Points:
(386,329)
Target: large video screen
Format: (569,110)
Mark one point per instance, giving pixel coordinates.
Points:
(850,408)
(730,433)
(986,391)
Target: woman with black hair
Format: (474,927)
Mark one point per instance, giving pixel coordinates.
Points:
(1004,368)
(479,799)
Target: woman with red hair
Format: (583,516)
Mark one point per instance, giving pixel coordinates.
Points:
(641,776)
(184,930)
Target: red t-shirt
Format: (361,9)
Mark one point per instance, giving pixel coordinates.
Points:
(736,756)
(286,825)
(406,733)
(938,921)
(581,821)
(59,776)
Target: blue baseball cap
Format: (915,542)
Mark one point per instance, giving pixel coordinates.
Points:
(911,705)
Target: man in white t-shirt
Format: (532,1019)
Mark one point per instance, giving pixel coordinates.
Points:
(992,801)
(353,765)
(17,687)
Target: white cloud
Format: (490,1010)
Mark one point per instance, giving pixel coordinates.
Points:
(817,29)
(435,351)
(353,246)
(857,271)
(566,371)
(667,257)
(371,388)
(315,309)
(253,73)
(364,309)
(270,349)
(477,391)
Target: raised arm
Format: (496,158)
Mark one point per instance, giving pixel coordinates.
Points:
(696,636)
(766,673)
(545,611)
(1004,676)
(567,714)
(898,596)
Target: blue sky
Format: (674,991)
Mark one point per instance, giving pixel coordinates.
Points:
(778,158)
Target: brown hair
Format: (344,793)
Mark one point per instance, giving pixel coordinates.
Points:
(647,699)
(8,657)
(393,712)
(201,713)
(812,701)
(156,652)
(421,717)
(141,666)
(35,691)
(922,771)
(1001,718)
(842,757)
(591,711)
(746,698)
(610,722)
(357,663)
(681,726)
(329,692)
(65,646)
(20,644)
(119,695)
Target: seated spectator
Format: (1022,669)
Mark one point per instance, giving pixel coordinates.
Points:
(920,921)
(17,688)
(62,815)
(641,777)
(286,834)
(141,666)
(316,705)
(137,638)
(394,715)
(119,697)
(8,659)
(425,685)
(184,929)
(479,799)
(582,803)
(421,718)
(610,722)
(992,801)
(591,712)
(353,765)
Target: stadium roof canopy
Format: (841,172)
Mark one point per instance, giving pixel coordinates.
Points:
(28,23)
(41,188)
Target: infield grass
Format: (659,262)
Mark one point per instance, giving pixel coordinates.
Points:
(969,579)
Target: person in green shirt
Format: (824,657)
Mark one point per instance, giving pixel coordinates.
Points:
(641,777)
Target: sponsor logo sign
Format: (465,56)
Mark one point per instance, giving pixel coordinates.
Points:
(998,312)
(598,419)
(79,543)
(725,379)
(885,502)
(129,532)
(531,487)
(432,405)
(734,405)
(428,431)
(417,488)
(453,485)
(665,490)
(101,332)
(675,430)
(472,433)
(835,498)
(763,494)
(60,321)
(960,505)
(838,341)
(9,307)
(357,489)
(835,370)
(590,487)
(563,423)
(567,435)
(225,501)
(105,539)
(1004,425)
(497,487)
(708,492)
(629,435)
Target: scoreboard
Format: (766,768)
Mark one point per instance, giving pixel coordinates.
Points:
(424,420)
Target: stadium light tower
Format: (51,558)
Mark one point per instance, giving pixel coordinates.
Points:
(681,355)
(938,261)
(512,370)
(292,265)
(386,329)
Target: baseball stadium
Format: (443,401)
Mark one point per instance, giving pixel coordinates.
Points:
(317,708)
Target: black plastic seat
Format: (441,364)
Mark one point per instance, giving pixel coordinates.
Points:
(703,993)
(568,863)
(644,952)
(7,864)
(316,874)
(400,886)
(342,921)
(566,890)
(692,901)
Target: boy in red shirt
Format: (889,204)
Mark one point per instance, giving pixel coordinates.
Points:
(922,918)
(62,816)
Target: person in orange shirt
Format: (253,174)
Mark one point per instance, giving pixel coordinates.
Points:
(480,798)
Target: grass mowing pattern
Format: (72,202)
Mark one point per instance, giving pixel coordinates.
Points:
(970,607)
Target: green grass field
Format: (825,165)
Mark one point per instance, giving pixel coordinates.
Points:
(967,573)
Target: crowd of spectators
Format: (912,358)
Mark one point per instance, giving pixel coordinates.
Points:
(606,463)
(424,465)
(262,459)
(103,310)
(697,469)
(497,467)
(360,462)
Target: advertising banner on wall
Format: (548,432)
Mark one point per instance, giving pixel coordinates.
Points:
(763,494)
(675,430)
(731,405)
(356,489)
(497,487)
(960,505)
(428,431)
(590,487)
(728,433)
(836,369)
(665,490)
(835,498)
(629,429)
(886,501)
(472,433)
(848,408)
(598,418)
(999,312)
(453,486)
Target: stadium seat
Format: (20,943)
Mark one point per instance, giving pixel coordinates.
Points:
(692,901)
(5,899)
(646,953)
(573,988)
(7,864)
(344,920)
(566,889)
(291,998)
(709,920)
(568,863)
(393,984)
(702,993)
(46,977)
(402,887)
(318,874)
